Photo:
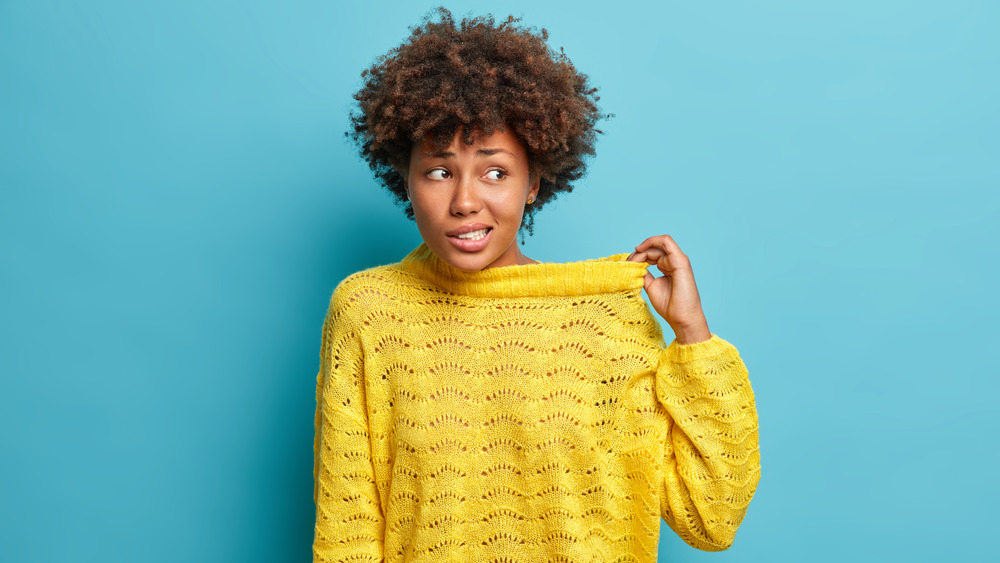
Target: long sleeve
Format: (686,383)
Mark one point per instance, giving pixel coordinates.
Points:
(712,459)
(529,413)
(349,519)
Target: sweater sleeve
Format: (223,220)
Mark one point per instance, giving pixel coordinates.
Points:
(349,520)
(711,462)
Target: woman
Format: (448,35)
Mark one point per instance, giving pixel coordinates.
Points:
(474,404)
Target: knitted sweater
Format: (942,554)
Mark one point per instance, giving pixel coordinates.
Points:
(522,413)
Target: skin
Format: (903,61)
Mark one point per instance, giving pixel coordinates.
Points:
(488,183)
(673,295)
(485,183)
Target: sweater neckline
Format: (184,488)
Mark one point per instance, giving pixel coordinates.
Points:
(602,275)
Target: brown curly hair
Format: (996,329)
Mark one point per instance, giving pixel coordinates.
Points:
(476,75)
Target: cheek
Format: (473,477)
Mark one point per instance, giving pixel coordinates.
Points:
(513,204)
(427,207)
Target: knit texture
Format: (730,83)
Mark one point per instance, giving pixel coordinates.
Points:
(522,413)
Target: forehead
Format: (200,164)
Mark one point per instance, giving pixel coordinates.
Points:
(504,140)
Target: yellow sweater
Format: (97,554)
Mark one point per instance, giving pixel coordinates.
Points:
(523,413)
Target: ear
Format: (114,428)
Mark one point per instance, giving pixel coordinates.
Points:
(533,190)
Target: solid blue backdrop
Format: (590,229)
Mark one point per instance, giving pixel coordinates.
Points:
(179,201)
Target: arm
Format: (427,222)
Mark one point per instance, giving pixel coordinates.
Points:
(349,520)
(711,462)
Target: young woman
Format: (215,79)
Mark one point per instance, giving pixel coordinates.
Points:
(474,404)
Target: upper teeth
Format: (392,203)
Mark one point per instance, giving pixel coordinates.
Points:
(473,235)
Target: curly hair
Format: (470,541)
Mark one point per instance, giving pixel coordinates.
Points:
(476,75)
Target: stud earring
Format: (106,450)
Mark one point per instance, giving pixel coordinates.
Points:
(530,200)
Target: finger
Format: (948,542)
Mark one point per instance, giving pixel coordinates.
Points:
(659,290)
(680,274)
(649,256)
(676,267)
(670,245)
(645,256)
(666,242)
(663,243)
(646,280)
(671,258)
(646,243)
(667,261)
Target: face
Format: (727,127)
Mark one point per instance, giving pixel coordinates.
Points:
(468,200)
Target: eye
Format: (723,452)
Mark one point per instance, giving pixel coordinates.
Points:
(438,174)
(496,174)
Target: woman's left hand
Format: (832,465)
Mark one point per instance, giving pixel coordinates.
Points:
(674,294)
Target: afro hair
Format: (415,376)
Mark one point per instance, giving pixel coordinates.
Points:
(476,75)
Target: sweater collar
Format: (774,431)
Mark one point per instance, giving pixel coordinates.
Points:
(602,275)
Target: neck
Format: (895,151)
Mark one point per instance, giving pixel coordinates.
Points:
(523,260)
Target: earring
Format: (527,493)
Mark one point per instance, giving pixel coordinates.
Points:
(530,200)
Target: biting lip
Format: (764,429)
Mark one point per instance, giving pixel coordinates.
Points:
(468,229)
(470,238)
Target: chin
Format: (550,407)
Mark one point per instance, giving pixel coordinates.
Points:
(482,259)
(467,263)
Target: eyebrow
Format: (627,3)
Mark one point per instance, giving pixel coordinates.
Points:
(487,151)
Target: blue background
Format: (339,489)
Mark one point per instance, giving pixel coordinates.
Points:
(179,201)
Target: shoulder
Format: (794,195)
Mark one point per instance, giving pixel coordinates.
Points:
(369,289)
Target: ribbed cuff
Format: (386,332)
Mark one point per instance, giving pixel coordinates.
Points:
(683,353)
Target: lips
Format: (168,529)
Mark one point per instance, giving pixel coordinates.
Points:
(473,235)
(470,238)
(471,227)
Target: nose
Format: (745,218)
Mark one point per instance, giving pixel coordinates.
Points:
(465,200)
